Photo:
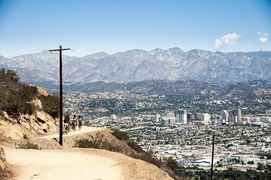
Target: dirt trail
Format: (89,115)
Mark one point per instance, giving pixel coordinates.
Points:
(78,164)
(62,165)
(84,129)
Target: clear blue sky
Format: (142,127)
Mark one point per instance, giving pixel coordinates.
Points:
(89,26)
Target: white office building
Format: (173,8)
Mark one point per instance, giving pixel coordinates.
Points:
(181,116)
(169,119)
(205,118)
(239,115)
(224,117)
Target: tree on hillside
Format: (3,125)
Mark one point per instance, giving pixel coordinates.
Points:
(8,76)
(16,97)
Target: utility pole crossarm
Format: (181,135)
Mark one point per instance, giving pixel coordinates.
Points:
(63,49)
(54,50)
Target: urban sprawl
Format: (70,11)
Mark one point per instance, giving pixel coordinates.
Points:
(181,129)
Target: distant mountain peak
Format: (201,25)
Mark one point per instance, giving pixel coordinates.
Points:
(97,55)
(141,65)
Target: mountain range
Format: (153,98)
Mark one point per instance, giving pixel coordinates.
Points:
(140,65)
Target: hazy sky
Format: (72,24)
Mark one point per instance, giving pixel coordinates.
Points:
(89,26)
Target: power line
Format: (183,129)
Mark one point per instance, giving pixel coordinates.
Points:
(60,49)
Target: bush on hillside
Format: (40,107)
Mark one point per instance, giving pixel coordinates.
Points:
(120,135)
(86,143)
(172,163)
(96,144)
(123,136)
(15,97)
(27,145)
(135,146)
(8,76)
(50,105)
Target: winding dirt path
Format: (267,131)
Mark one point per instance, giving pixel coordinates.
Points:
(62,165)
(83,130)
(78,164)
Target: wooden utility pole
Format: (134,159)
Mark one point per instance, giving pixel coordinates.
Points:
(60,49)
(212,163)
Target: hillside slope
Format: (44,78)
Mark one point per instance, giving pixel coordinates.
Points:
(28,119)
(24,110)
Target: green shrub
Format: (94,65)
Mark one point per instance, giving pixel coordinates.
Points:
(96,144)
(120,134)
(123,136)
(86,143)
(50,105)
(250,162)
(172,163)
(8,76)
(260,166)
(135,146)
(28,145)
(15,97)
(148,157)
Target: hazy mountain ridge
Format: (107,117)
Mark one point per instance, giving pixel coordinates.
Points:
(140,65)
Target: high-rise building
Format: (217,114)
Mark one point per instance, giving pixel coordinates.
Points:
(224,117)
(178,116)
(181,116)
(184,117)
(239,115)
(232,117)
(157,117)
(169,119)
(205,118)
